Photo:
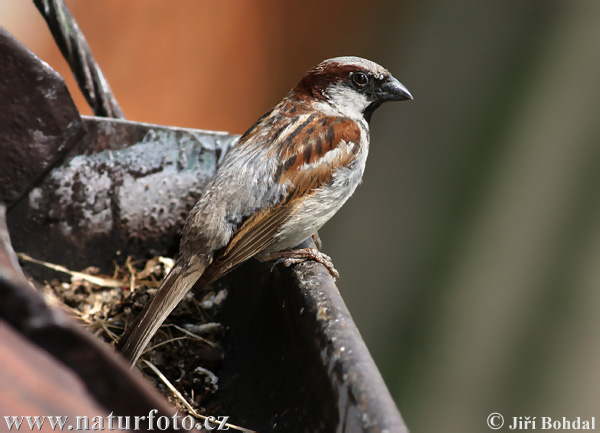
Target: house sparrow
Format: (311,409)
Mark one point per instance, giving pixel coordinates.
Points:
(285,178)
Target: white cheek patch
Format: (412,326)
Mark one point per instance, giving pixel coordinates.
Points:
(347,101)
(343,101)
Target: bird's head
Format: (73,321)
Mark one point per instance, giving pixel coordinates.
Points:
(350,86)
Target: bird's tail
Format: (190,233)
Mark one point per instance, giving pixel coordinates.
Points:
(172,290)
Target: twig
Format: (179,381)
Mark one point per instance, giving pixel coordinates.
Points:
(184,401)
(99,281)
(111,334)
(194,336)
(162,343)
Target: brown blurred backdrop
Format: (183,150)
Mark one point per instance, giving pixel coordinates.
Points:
(470,256)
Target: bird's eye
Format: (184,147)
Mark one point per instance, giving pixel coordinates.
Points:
(360,79)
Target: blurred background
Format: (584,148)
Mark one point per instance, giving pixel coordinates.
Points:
(470,256)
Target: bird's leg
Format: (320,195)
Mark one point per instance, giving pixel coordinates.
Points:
(317,240)
(299,255)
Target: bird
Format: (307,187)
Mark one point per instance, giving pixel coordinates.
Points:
(285,177)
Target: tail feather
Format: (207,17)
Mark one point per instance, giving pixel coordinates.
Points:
(170,292)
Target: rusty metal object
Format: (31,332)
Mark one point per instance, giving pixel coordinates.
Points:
(35,383)
(128,194)
(39,122)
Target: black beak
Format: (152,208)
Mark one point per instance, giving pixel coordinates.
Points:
(393,90)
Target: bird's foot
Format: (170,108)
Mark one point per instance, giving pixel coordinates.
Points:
(292,257)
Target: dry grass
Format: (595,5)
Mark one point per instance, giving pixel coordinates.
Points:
(186,350)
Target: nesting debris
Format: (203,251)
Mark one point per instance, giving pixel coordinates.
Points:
(186,350)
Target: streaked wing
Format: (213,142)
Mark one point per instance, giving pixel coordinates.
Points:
(309,156)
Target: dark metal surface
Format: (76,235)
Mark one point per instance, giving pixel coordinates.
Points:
(78,55)
(364,403)
(38,120)
(128,195)
(294,360)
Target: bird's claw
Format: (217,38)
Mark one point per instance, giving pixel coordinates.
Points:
(291,257)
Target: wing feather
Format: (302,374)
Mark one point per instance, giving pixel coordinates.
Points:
(308,159)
